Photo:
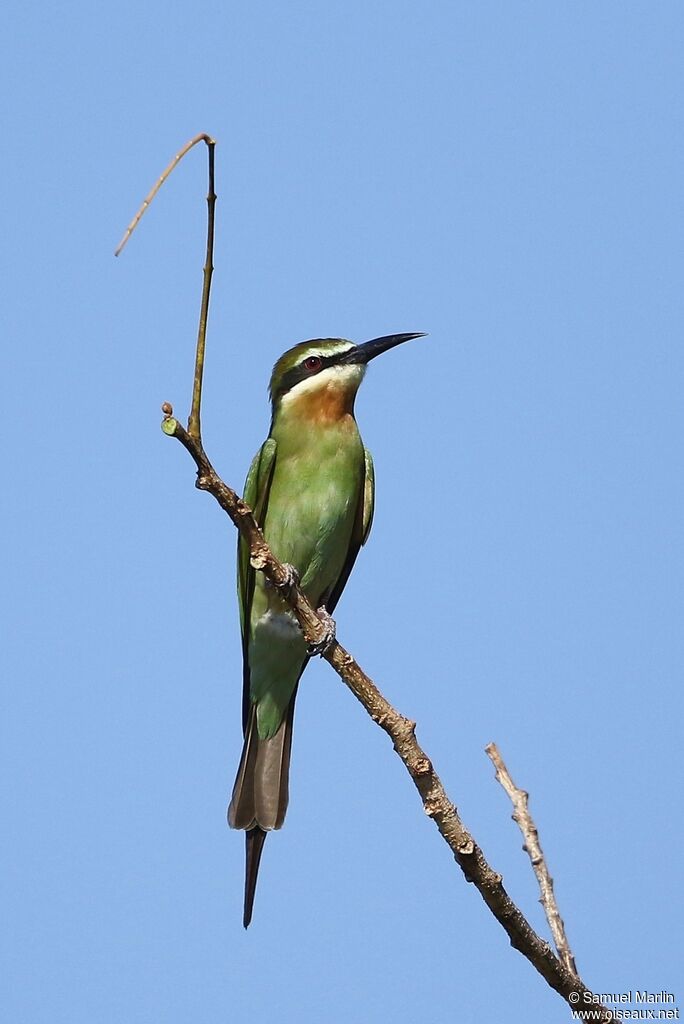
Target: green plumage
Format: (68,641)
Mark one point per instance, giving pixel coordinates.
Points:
(312,492)
(311,487)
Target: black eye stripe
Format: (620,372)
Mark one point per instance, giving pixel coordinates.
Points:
(301,372)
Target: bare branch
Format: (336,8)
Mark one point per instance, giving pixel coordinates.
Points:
(401,731)
(531,845)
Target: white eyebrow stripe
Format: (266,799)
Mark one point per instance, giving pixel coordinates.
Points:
(329,350)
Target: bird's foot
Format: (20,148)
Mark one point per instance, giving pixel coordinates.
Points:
(328,637)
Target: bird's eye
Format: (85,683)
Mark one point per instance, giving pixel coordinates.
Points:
(313,363)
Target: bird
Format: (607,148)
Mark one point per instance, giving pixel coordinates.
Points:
(311,487)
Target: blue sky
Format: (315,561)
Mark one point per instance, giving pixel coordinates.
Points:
(504,176)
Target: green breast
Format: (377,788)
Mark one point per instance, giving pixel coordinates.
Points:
(312,508)
(314,499)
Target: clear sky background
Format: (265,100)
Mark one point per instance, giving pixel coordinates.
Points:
(506,176)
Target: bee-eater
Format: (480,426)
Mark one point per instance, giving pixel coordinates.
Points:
(311,488)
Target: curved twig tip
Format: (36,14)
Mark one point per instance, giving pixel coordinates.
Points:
(201,137)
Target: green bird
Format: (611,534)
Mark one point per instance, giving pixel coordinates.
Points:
(311,487)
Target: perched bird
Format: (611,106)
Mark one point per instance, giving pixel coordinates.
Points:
(311,488)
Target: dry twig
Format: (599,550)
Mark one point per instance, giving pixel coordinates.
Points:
(531,845)
(201,137)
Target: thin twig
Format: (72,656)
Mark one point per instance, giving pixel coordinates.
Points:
(194,418)
(531,845)
(202,137)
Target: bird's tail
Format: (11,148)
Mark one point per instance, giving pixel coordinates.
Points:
(260,793)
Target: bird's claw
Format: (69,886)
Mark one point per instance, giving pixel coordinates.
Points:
(328,637)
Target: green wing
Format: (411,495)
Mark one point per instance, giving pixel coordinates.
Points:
(362,527)
(368,496)
(257,488)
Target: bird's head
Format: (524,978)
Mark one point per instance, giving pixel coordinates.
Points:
(319,379)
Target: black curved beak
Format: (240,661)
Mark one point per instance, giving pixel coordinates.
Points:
(370,349)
